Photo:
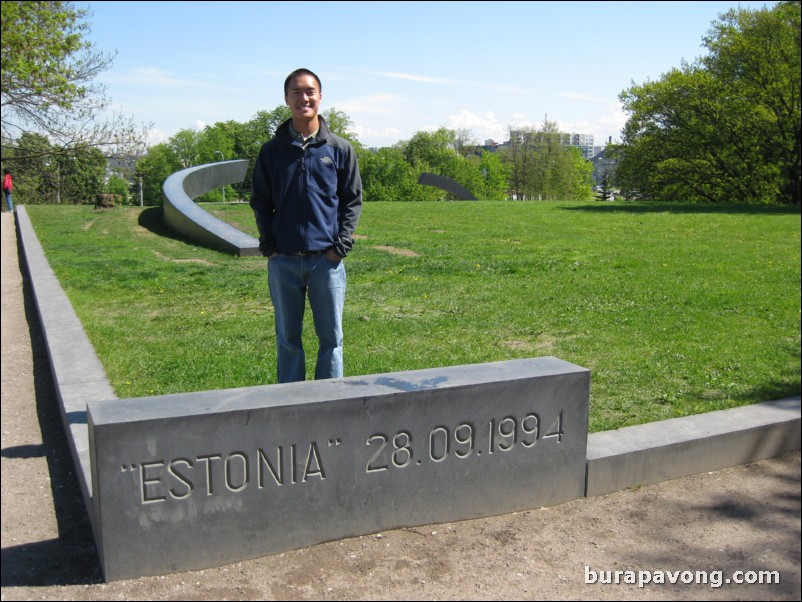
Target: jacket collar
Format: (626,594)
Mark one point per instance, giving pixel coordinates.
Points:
(323,133)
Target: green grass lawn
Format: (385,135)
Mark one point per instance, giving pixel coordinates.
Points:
(676,309)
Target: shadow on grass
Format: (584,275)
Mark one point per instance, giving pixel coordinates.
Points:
(685,208)
(152,220)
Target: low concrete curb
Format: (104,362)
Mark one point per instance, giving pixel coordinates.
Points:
(78,375)
(661,451)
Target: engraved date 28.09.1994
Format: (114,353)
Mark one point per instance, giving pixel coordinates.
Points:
(463,441)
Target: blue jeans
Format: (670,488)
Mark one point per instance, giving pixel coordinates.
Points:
(9,203)
(290,280)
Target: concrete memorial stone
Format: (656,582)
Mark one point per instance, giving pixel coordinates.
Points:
(203,479)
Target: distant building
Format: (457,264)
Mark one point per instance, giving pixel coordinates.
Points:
(584,142)
(122,164)
(603,165)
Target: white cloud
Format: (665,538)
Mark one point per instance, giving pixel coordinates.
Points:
(415,78)
(427,79)
(156,136)
(616,119)
(377,137)
(381,104)
(522,121)
(581,96)
(150,76)
(482,127)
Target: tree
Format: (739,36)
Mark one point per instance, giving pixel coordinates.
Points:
(549,163)
(430,151)
(388,176)
(120,187)
(495,176)
(153,169)
(435,152)
(48,87)
(542,167)
(340,124)
(34,173)
(464,141)
(726,128)
(185,145)
(218,142)
(81,177)
(42,176)
(761,52)
(519,158)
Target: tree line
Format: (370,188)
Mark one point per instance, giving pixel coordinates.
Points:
(723,129)
(391,173)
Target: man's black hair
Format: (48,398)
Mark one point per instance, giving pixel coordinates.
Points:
(295,74)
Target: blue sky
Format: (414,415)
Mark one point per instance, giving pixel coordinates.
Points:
(396,67)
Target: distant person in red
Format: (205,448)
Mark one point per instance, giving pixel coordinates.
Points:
(8,186)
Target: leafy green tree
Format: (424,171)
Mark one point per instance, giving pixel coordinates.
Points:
(549,163)
(81,176)
(41,176)
(605,192)
(760,52)
(727,127)
(48,83)
(185,145)
(495,175)
(217,142)
(579,185)
(388,176)
(430,151)
(518,156)
(436,152)
(119,186)
(340,124)
(154,168)
(255,132)
(542,167)
(466,172)
(34,173)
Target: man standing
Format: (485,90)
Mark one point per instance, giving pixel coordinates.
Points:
(307,199)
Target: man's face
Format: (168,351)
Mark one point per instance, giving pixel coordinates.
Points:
(303,97)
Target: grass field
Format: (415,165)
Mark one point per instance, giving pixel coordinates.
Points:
(676,309)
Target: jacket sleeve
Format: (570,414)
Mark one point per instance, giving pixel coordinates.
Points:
(262,203)
(350,196)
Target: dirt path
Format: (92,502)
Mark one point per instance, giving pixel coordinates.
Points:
(740,519)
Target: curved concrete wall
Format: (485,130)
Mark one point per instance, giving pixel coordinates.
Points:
(447,184)
(182,214)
